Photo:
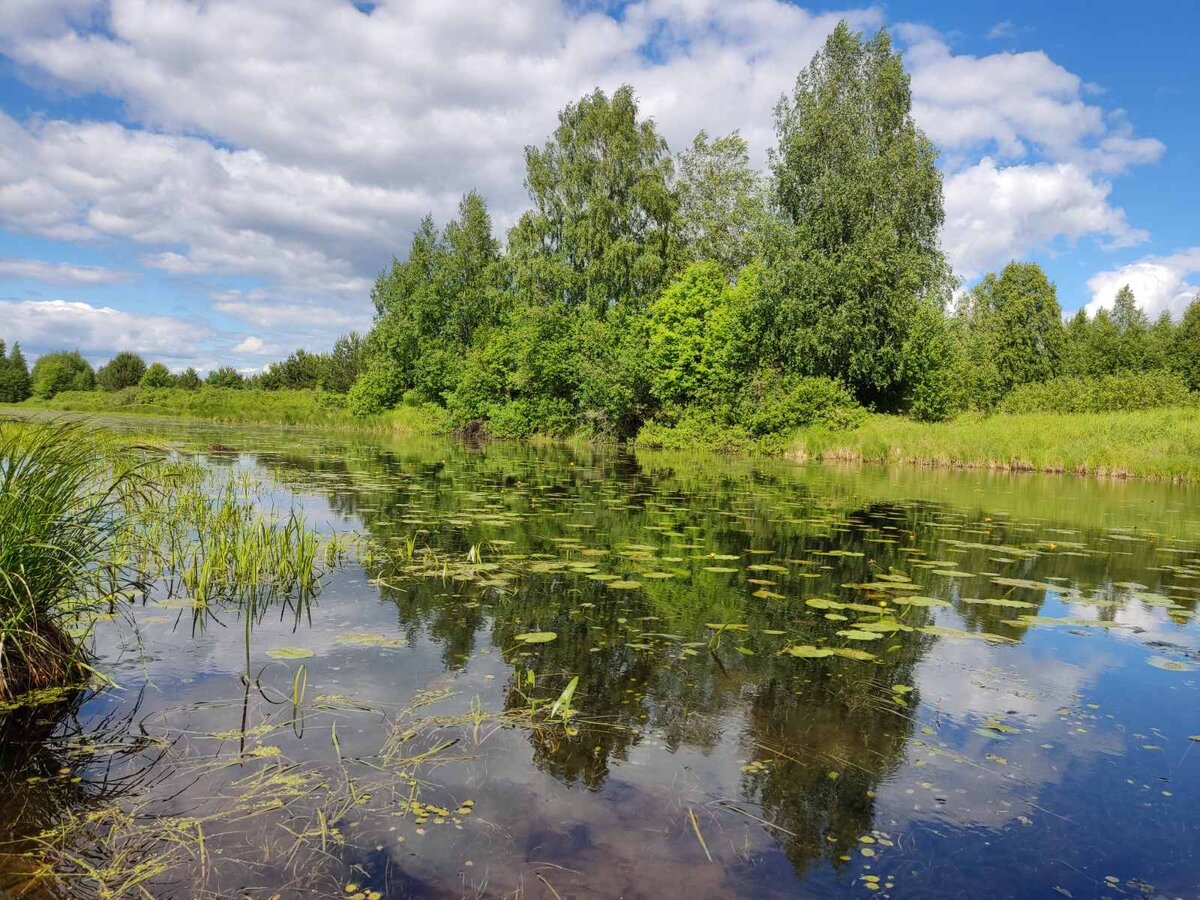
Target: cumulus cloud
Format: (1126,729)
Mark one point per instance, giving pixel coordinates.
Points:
(99,331)
(60,273)
(1158,283)
(996,213)
(298,143)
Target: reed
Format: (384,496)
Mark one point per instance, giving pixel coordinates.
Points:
(63,492)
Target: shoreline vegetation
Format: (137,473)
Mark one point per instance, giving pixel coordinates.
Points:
(1159,444)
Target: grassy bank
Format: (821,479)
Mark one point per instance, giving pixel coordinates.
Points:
(313,409)
(1158,443)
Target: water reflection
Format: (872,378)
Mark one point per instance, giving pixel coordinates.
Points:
(1025,678)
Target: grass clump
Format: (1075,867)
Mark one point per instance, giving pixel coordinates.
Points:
(63,490)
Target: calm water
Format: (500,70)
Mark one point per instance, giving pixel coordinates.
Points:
(1022,716)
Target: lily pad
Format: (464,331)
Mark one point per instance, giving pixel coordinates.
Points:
(537,637)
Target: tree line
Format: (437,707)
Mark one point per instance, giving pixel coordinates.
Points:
(643,287)
(67,370)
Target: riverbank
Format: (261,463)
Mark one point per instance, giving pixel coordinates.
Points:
(1160,444)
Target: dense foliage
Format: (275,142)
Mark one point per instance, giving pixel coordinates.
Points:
(63,370)
(680,298)
(15,383)
(122,371)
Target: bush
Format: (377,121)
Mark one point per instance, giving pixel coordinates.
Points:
(380,387)
(773,404)
(62,371)
(700,429)
(1105,393)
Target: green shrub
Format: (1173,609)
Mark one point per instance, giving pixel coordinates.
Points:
(772,403)
(378,388)
(1105,393)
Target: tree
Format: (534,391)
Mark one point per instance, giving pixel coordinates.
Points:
(1187,345)
(344,363)
(225,377)
(15,383)
(688,338)
(857,182)
(1133,348)
(122,371)
(158,376)
(301,370)
(600,233)
(1076,360)
(1016,330)
(429,307)
(189,380)
(1160,342)
(61,371)
(1104,345)
(722,215)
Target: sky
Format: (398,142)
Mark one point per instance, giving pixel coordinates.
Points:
(213,182)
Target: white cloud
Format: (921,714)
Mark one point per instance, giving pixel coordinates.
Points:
(1158,283)
(997,213)
(251,344)
(298,143)
(1015,105)
(60,273)
(98,331)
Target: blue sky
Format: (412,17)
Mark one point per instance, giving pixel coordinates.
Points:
(218,182)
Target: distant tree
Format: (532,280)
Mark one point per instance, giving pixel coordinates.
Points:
(1133,349)
(1160,342)
(122,371)
(299,371)
(189,380)
(15,383)
(225,377)
(61,371)
(158,376)
(1104,345)
(344,363)
(1015,330)
(600,232)
(1076,359)
(1187,345)
(722,215)
(858,184)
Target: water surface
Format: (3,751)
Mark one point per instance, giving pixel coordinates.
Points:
(1016,713)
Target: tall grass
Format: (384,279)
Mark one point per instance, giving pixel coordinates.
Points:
(313,409)
(63,490)
(1156,443)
